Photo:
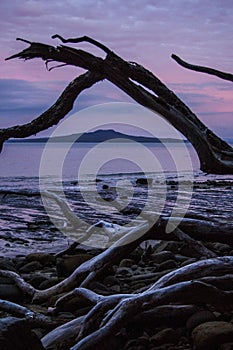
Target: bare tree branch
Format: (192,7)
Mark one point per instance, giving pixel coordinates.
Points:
(215,155)
(56,112)
(207,70)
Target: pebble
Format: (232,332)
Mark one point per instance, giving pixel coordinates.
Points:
(127,263)
(161,256)
(36,280)
(98,285)
(210,335)
(140,343)
(169,264)
(198,318)
(10,292)
(124,271)
(110,281)
(31,266)
(226,346)
(144,181)
(7,264)
(16,334)
(47,283)
(165,336)
(43,258)
(68,263)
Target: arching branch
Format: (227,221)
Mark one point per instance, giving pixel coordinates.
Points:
(215,155)
(55,113)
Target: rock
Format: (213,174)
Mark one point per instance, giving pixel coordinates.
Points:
(166,265)
(226,346)
(116,289)
(181,258)
(187,262)
(10,292)
(105,187)
(110,281)
(189,251)
(36,280)
(15,334)
(210,335)
(127,263)
(30,267)
(137,344)
(174,247)
(222,248)
(198,318)
(144,181)
(6,264)
(134,267)
(161,256)
(141,264)
(43,258)
(47,283)
(124,271)
(74,182)
(165,336)
(68,263)
(97,285)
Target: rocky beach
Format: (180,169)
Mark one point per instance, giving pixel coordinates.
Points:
(33,247)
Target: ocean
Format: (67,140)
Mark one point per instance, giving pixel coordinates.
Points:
(89,178)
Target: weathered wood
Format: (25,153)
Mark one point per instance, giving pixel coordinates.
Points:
(215,155)
(184,292)
(55,113)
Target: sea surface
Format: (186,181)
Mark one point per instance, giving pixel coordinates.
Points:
(89,178)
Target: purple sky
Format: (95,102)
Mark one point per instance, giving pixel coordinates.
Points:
(148,32)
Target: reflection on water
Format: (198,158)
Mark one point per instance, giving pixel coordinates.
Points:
(23,159)
(25,224)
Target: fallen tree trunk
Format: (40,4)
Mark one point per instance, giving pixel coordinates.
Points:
(215,155)
(179,292)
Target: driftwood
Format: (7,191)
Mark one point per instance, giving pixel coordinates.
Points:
(175,295)
(215,155)
(204,282)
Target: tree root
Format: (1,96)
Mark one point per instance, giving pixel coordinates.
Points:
(207,281)
(196,292)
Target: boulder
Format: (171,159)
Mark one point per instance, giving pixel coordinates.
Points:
(198,318)
(165,336)
(43,258)
(16,334)
(211,335)
(68,263)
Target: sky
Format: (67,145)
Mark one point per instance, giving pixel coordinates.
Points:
(145,31)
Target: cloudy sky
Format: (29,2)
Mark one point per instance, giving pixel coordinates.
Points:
(145,31)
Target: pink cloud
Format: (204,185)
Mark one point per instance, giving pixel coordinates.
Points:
(145,31)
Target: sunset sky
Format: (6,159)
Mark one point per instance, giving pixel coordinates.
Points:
(148,32)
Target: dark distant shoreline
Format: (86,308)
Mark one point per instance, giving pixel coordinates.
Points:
(98,136)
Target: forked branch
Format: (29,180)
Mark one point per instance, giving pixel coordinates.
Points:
(215,155)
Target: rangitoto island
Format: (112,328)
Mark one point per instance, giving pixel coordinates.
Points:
(100,136)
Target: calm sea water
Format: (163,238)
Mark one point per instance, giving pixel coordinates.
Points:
(117,166)
(21,162)
(23,159)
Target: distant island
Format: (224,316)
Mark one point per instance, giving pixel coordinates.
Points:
(99,136)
